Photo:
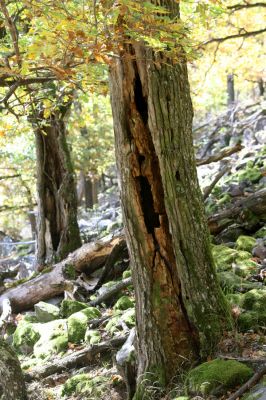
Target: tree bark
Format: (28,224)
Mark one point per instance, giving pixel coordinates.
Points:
(58,232)
(230,89)
(180,310)
(12,385)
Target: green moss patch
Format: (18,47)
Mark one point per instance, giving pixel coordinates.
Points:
(86,385)
(69,307)
(77,323)
(115,323)
(245,243)
(92,336)
(25,337)
(218,375)
(53,340)
(124,303)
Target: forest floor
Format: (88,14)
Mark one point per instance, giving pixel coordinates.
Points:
(78,344)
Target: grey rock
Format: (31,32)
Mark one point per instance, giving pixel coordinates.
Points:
(46,312)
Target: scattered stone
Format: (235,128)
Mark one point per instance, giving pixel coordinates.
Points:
(46,312)
(53,339)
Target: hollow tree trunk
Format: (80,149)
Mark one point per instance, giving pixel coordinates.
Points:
(57,227)
(180,309)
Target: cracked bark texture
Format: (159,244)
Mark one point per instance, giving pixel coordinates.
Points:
(57,227)
(180,309)
(12,385)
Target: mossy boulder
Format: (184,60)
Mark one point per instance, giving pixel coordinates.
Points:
(218,376)
(25,337)
(85,384)
(245,268)
(261,233)
(224,257)
(123,303)
(69,307)
(230,282)
(245,243)
(255,300)
(92,336)
(251,320)
(46,312)
(250,174)
(119,317)
(77,323)
(53,339)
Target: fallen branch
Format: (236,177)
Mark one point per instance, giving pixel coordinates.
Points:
(225,153)
(250,383)
(208,189)
(79,358)
(111,292)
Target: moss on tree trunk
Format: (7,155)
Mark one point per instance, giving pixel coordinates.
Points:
(12,386)
(180,309)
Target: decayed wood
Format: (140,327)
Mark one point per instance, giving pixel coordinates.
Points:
(240,212)
(250,383)
(75,359)
(89,257)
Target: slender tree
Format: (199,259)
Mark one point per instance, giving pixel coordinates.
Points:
(57,227)
(180,309)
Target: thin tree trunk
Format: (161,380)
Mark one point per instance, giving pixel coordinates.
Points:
(58,232)
(230,89)
(179,304)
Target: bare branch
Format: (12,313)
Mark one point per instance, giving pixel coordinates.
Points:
(244,34)
(217,157)
(237,7)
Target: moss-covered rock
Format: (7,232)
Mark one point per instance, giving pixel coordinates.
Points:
(85,384)
(261,233)
(69,307)
(92,336)
(53,339)
(126,274)
(245,268)
(77,323)
(245,243)
(255,300)
(115,323)
(230,282)
(224,257)
(46,312)
(123,303)
(218,375)
(250,174)
(25,337)
(12,386)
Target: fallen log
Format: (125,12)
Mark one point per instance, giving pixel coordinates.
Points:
(75,359)
(54,282)
(241,212)
(220,156)
(111,292)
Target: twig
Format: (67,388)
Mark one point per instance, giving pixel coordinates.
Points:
(251,382)
(208,189)
(220,156)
